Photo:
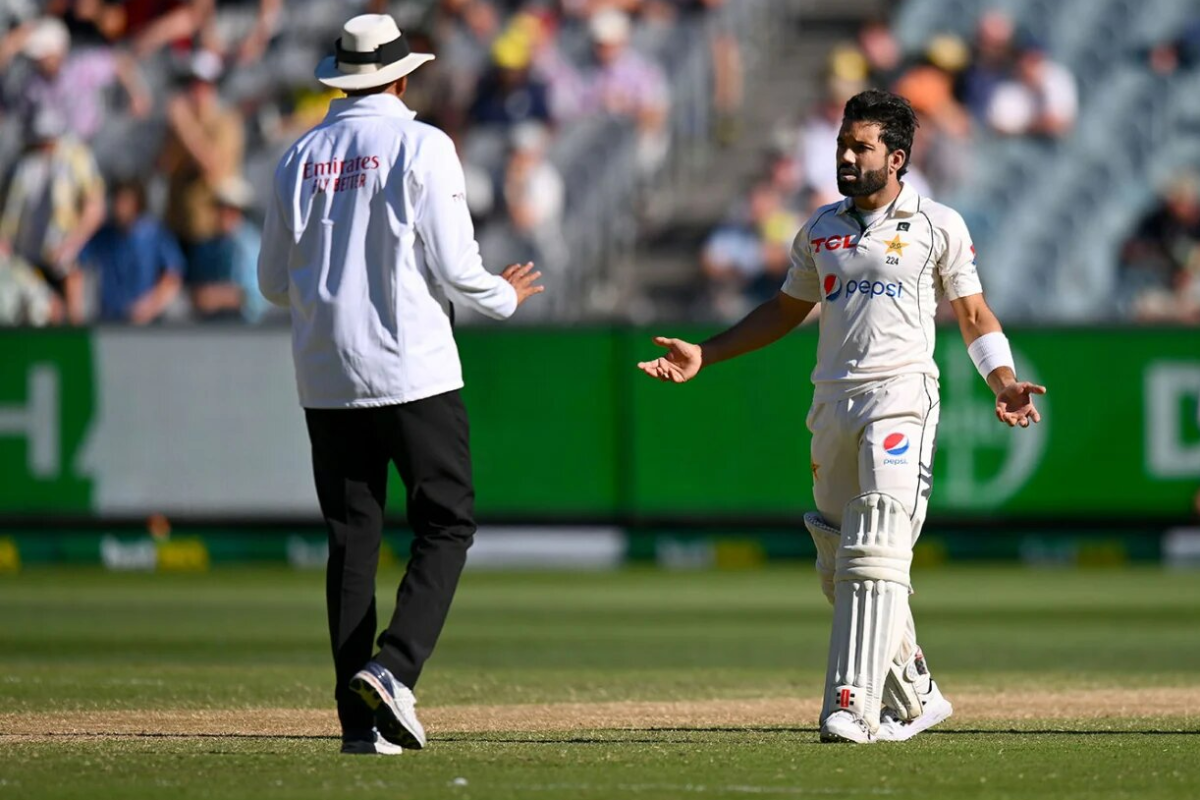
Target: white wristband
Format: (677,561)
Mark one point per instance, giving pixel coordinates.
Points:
(990,352)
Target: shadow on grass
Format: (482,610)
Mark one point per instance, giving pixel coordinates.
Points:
(584,740)
(157,735)
(1059,732)
(648,735)
(944,732)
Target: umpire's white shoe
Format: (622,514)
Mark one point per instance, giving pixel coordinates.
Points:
(371,744)
(392,703)
(843,726)
(934,708)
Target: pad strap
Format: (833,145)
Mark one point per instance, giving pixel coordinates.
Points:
(907,678)
(827,539)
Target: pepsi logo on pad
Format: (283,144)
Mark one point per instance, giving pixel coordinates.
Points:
(896,446)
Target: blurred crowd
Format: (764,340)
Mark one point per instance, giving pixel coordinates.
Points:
(1160,260)
(1160,275)
(82,239)
(136,138)
(1003,82)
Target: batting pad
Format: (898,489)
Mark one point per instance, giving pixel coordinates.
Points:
(870,609)
(904,678)
(827,539)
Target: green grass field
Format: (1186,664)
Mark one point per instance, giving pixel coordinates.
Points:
(1068,684)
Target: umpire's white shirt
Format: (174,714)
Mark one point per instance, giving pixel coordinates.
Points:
(879,288)
(367,231)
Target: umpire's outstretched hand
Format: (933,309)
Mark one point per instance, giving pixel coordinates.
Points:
(523,279)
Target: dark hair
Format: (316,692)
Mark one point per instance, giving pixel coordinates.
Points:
(135,187)
(892,113)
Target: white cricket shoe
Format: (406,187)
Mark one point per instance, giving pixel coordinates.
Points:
(392,703)
(934,708)
(373,745)
(843,726)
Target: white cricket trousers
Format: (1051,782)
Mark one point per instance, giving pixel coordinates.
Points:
(880,439)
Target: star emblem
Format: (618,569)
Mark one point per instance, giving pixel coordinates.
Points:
(896,246)
(815,467)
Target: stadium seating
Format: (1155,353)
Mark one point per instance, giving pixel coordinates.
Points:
(1056,258)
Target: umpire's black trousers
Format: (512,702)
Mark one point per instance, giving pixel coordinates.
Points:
(427,440)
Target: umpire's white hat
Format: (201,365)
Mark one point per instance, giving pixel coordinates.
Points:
(370,53)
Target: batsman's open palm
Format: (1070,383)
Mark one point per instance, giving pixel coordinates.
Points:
(1014,404)
(680,364)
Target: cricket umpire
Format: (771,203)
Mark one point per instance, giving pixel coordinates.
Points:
(367,240)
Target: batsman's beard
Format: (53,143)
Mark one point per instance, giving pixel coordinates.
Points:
(866,182)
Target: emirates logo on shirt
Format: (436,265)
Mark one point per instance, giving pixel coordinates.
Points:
(340,174)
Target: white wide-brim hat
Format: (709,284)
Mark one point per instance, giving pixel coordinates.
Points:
(371,52)
(610,26)
(48,37)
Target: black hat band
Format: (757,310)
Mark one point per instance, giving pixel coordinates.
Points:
(386,53)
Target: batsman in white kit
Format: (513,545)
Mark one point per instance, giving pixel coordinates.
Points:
(878,263)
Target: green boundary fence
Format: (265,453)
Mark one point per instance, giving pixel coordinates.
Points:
(118,424)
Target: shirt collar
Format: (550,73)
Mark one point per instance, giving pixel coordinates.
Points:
(905,205)
(371,105)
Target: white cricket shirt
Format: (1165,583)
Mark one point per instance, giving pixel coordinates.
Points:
(879,287)
(366,232)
